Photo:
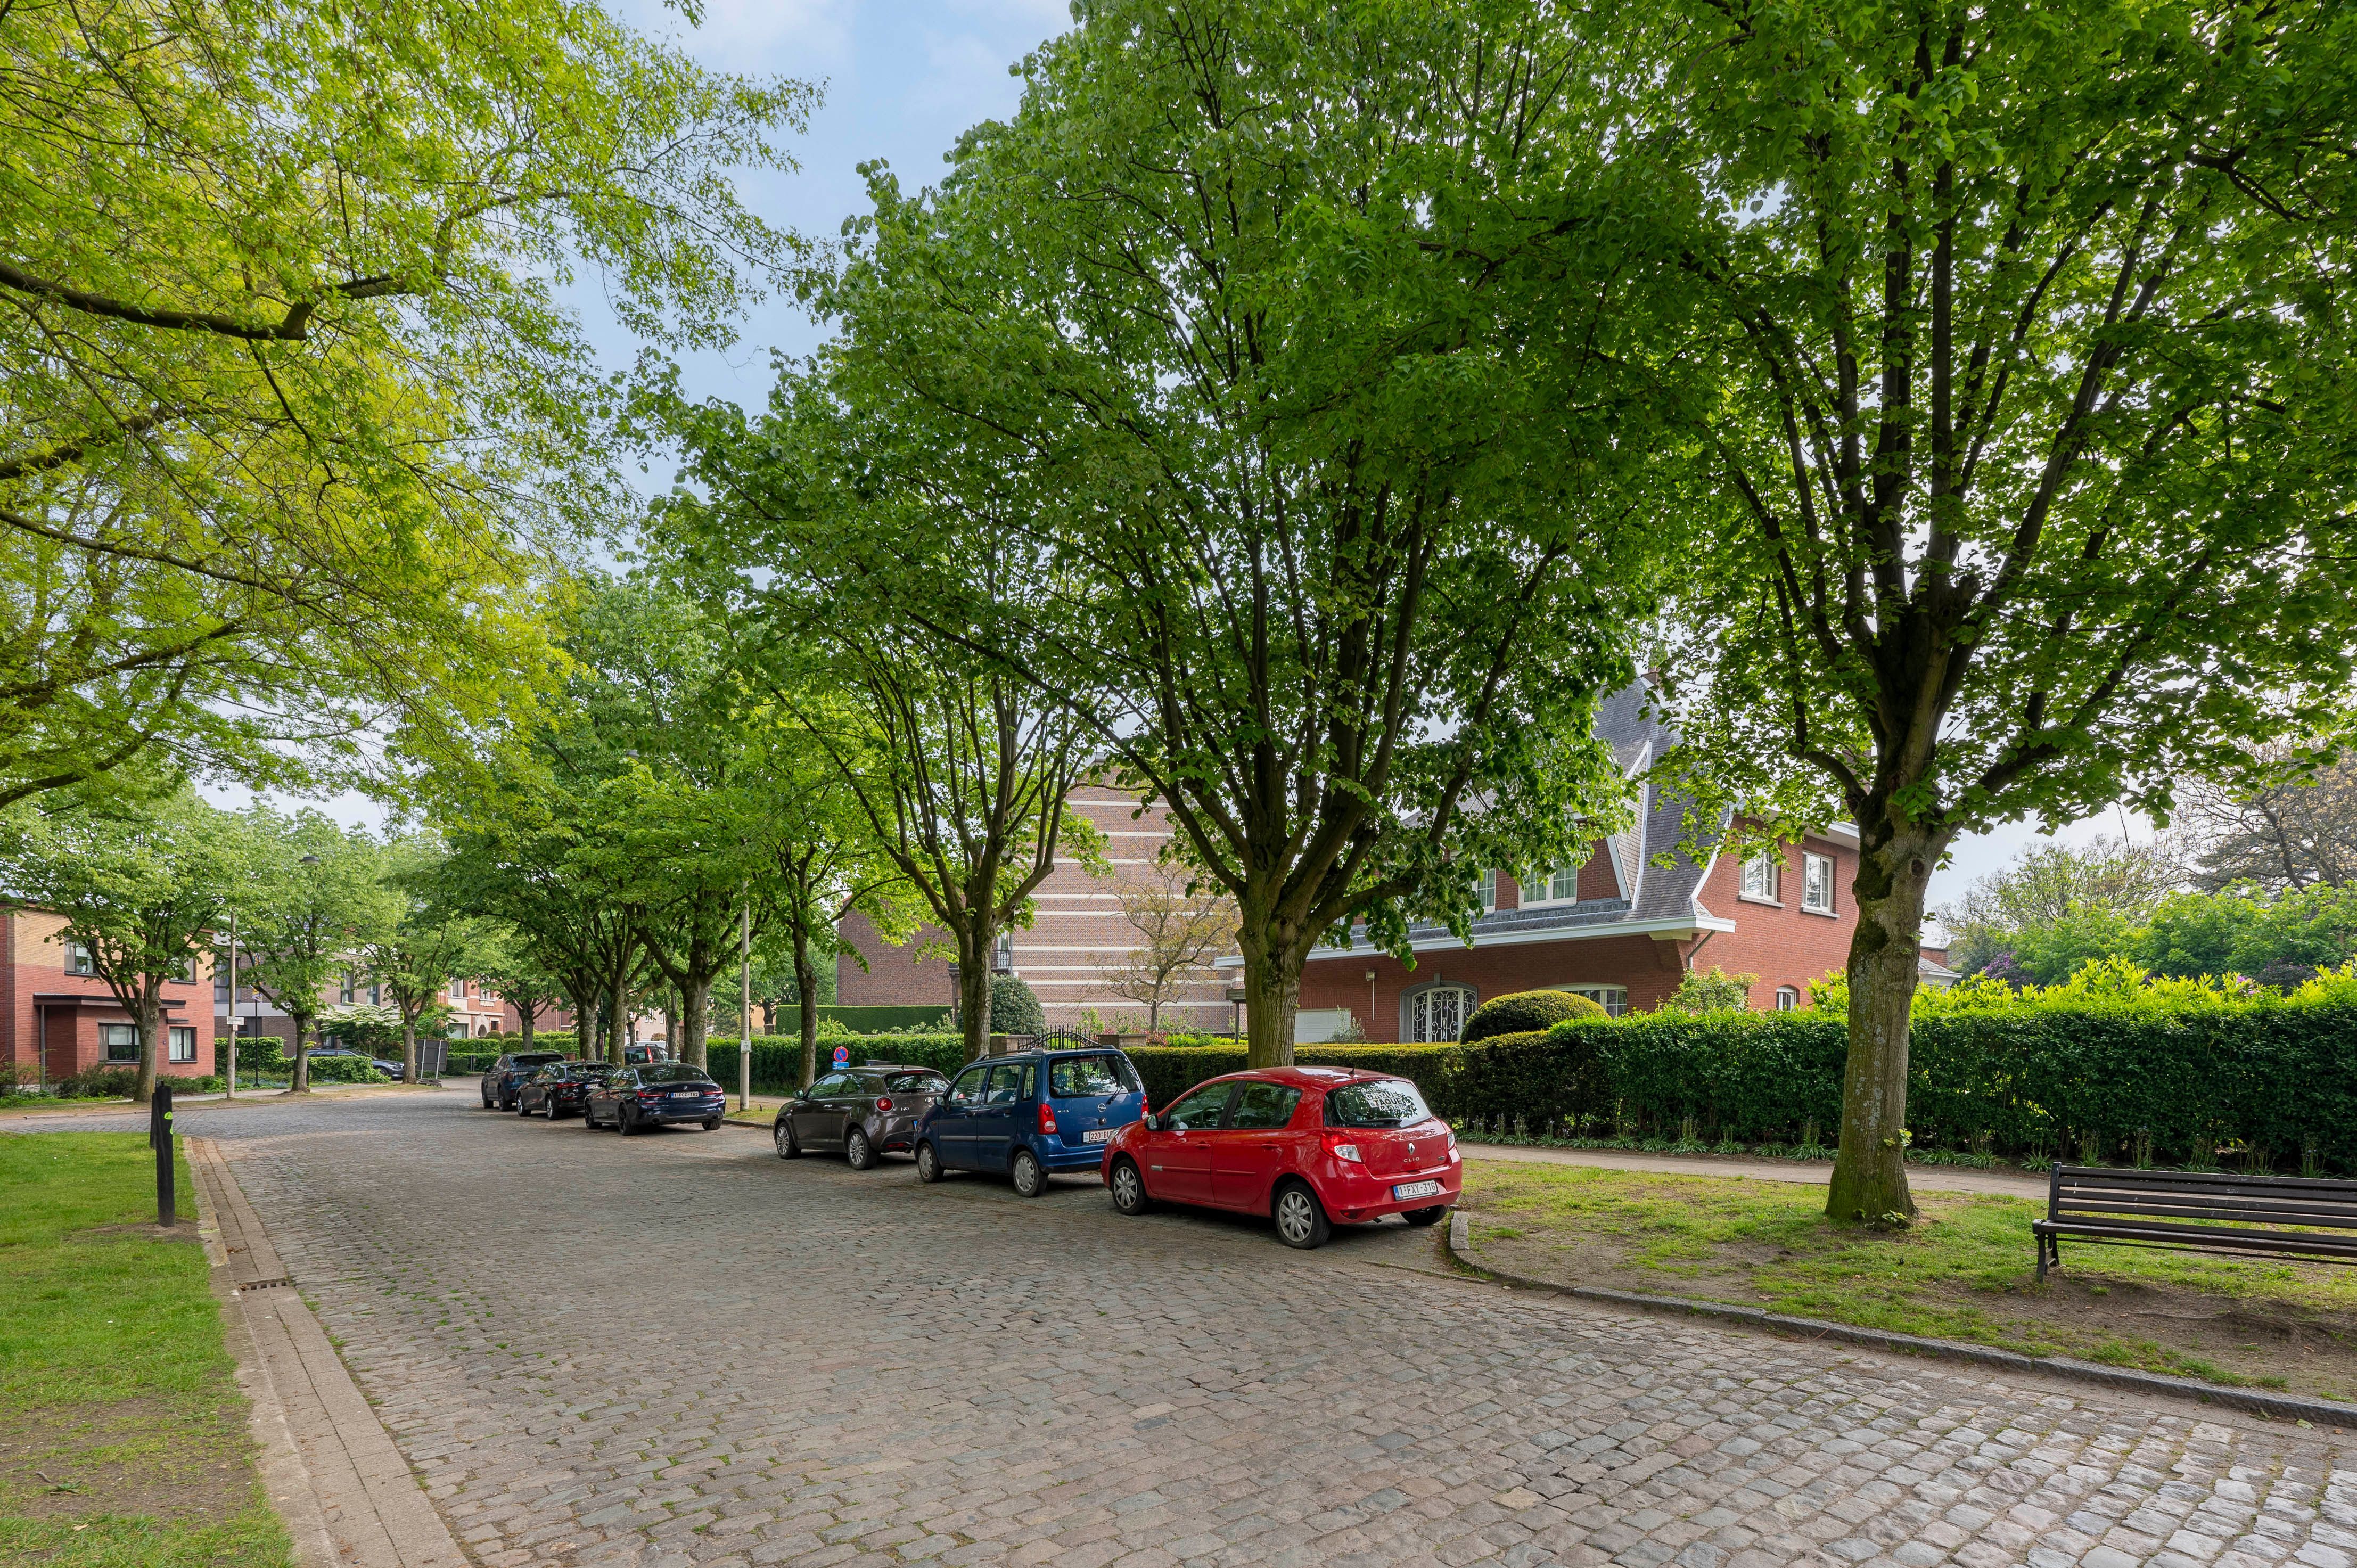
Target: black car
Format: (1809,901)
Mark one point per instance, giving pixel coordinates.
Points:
(504,1077)
(633,1098)
(560,1089)
(862,1111)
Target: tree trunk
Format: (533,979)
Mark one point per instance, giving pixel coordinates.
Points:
(525,1009)
(695,1000)
(408,1046)
(806,1004)
(1272,992)
(671,1025)
(151,1035)
(299,1079)
(1869,1181)
(617,1019)
(974,989)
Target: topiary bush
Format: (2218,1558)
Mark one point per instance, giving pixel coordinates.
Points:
(1013,1010)
(1523,1011)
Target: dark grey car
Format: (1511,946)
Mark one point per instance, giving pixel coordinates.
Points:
(862,1111)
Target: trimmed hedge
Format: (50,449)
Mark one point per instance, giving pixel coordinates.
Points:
(1170,1071)
(778,1059)
(1521,1011)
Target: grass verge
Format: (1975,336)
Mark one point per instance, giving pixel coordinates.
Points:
(1967,1271)
(123,1434)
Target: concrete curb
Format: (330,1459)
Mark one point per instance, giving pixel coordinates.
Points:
(2255,1402)
(333,1472)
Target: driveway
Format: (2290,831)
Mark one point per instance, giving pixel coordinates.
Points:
(677,1350)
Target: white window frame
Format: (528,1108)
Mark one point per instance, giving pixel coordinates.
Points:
(1427,1011)
(1613,999)
(79,959)
(1816,883)
(1488,886)
(1763,879)
(1540,886)
(183,1042)
(457,991)
(1788,999)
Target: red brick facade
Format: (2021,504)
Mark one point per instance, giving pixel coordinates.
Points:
(54,1022)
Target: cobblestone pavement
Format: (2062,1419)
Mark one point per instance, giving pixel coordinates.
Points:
(675,1349)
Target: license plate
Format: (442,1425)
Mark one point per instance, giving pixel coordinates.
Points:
(1415,1189)
(1096,1134)
(687,1093)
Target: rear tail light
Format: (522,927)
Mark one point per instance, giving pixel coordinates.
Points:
(651,1094)
(1346,1151)
(883,1103)
(1047,1119)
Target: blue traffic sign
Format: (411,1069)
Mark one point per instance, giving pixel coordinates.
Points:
(843,1056)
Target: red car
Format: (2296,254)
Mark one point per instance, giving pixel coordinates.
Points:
(1309,1146)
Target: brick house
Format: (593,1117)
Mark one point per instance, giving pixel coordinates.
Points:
(1078,935)
(58,1018)
(474,1011)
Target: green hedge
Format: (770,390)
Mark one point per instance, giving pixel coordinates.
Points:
(1171,1071)
(778,1059)
(875,1020)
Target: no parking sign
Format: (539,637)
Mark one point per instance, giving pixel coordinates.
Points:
(843,1056)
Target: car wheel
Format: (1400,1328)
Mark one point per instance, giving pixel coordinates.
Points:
(588,1121)
(929,1163)
(1129,1193)
(711,1124)
(783,1134)
(857,1152)
(1300,1219)
(486,1099)
(625,1123)
(1426,1216)
(520,1109)
(1030,1176)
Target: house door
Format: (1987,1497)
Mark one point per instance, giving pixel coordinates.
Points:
(1437,1014)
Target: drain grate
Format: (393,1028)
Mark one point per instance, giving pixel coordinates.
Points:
(281,1282)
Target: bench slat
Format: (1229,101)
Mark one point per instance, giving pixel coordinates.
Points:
(2102,1177)
(2241,1241)
(2197,1208)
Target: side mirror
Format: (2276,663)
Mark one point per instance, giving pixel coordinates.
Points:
(1153,1122)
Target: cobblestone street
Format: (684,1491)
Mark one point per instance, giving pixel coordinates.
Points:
(675,1349)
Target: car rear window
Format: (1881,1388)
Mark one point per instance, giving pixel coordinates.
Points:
(538,1058)
(671,1072)
(1386,1102)
(1073,1078)
(915,1083)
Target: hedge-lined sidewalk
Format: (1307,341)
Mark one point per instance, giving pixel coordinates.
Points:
(1966,1272)
(123,1434)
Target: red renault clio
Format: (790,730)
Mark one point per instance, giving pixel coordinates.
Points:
(1309,1146)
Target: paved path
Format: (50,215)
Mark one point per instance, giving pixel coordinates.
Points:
(1810,1173)
(675,1349)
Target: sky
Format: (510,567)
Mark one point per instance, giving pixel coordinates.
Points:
(899,80)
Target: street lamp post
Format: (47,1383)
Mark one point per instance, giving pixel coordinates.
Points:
(231,1079)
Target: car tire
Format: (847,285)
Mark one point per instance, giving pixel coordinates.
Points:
(711,1124)
(1426,1216)
(625,1123)
(1030,1175)
(1300,1219)
(588,1122)
(783,1134)
(1128,1184)
(857,1152)
(929,1163)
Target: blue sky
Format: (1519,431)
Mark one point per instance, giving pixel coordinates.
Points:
(900,79)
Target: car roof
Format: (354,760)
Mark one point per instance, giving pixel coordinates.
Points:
(1304,1077)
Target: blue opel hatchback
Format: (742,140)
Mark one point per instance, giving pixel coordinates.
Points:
(1026,1115)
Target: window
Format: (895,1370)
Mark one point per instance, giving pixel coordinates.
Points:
(121,1041)
(1556,887)
(1002,958)
(184,1045)
(457,991)
(1199,1111)
(78,960)
(1787,999)
(1262,1107)
(1386,1102)
(1763,877)
(1072,1077)
(915,1083)
(1613,999)
(834,1084)
(1010,1083)
(967,1090)
(1438,1013)
(1489,890)
(184,971)
(346,993)
(1817,883)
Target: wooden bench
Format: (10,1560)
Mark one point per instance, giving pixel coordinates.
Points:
(2192,1210)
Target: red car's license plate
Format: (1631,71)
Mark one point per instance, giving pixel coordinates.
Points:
(1415,1189)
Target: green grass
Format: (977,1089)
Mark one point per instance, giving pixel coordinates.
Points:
(1967,1271)
(123,1434)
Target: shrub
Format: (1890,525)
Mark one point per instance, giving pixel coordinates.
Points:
(261,1054)
(1711,990)
(1521,1011)
(778,1059)
(1013,1010)
(346,1069)
(459,1062)
(100,1083)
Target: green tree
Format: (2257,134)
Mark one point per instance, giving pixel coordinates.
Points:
(416,954)
(2030,330)
(1713,990)
(2280,940)
(2058,904)
(318,898)
(292,416)
(141,894)
(505,960)
(1218,342)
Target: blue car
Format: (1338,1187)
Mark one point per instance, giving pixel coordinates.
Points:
(1027,1115)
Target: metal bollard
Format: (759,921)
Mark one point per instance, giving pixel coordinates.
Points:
(160,1138)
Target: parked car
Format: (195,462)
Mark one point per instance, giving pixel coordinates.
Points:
(505,1076)
(633,1098)
(380,1063)
(864,1111)
(1026,1115)
(560,1089)
(1308,1147)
